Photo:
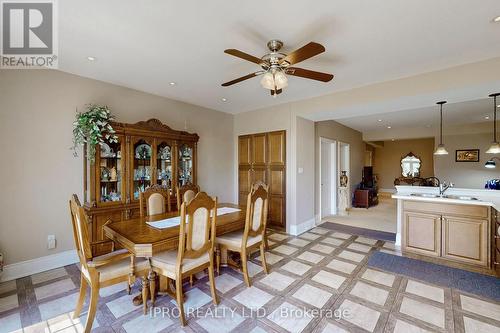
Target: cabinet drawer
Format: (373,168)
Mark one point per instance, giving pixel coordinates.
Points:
(448,209)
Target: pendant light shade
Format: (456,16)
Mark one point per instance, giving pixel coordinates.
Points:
(441,150)
(495,146)
(491,164)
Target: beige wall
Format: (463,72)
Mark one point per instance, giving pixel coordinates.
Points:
(333,130)
(305,170)
(39,172)
(387,160)
(466,174)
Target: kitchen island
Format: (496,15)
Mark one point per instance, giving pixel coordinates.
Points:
(459,228)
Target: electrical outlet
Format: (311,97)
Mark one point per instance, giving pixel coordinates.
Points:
(51,242)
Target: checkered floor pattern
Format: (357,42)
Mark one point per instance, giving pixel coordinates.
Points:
(318,282)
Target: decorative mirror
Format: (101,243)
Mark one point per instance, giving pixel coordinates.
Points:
(410,165)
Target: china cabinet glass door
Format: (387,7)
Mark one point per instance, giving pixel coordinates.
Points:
(110,174)
(164,164)
(185,167)
(141,170)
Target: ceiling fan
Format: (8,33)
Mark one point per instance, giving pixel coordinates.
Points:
(276,65)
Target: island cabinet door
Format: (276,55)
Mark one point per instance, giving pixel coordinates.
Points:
(465,240)
(422,233)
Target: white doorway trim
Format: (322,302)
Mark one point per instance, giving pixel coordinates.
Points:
(344,164)
(328,199)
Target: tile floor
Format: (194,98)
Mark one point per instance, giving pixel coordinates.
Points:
(310,274)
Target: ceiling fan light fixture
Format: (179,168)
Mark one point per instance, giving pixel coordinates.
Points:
(267,81)
(280,80)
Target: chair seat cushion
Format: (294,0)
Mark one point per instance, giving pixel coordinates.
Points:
(167,260)
(235,238)
(118,268)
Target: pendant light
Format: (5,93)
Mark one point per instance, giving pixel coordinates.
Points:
(495,146)
(441,150)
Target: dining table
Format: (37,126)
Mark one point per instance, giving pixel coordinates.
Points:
(144,241)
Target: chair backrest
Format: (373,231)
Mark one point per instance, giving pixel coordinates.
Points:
(197,228)
(155,200)
(80,230)
(186,193)
(256,215)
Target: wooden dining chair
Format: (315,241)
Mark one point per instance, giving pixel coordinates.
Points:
(253,235)
(186,193)
(196,248)
(155,200)
(101,271)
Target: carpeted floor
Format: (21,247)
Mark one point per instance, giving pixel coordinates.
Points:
(381,217)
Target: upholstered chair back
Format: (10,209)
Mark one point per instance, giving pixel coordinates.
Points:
(80,230)
(186,193)
(155,200)
(256,217)
(197,229)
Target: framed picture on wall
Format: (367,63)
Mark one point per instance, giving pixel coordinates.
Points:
(467,155)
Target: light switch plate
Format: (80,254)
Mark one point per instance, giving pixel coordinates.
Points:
(51,242)
(301,170)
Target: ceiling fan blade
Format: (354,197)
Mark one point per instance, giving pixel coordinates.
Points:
(305,52)
(308,74)
(245,56)
(243,78)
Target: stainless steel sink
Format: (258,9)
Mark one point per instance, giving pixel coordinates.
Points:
(425,195)
(460,197)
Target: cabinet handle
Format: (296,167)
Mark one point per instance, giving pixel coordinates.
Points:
(496,263)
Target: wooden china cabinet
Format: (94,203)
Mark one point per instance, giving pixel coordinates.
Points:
(146,153)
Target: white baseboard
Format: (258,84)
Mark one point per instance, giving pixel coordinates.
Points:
(303,227)
(37,265)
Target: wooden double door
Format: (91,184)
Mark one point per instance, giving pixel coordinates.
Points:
(262,157)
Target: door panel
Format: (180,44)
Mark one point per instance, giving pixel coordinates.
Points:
(262,157)
(259,174)
(276,182)
(245,179)
(465,240)
(277,148)
(422,233)
(276,209)
(244,150)
(259,149)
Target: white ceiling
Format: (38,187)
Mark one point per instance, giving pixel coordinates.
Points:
(147,44)
(453,114)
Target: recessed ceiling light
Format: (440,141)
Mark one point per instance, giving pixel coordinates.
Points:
(487,117)
(496,19)
(379,120)
(224,99)
(389,127)
(91,58)
(172,83)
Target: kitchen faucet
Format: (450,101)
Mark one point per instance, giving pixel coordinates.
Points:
(443,187)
